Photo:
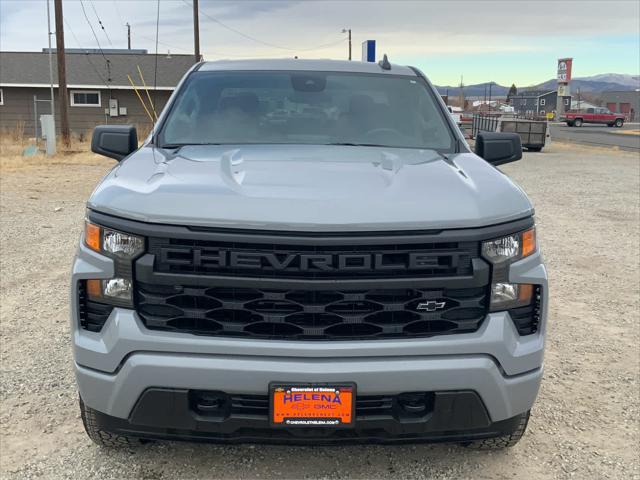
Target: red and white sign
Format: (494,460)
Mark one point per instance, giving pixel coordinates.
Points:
(564,70)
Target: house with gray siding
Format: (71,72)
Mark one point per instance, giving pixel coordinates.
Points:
(99,91)
(537,102)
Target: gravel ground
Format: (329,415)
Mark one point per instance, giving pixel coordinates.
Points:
(586,423)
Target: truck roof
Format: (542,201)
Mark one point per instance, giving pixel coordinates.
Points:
(297,64)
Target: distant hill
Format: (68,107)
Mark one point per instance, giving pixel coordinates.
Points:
(595,84)
(476,90)
(632,81)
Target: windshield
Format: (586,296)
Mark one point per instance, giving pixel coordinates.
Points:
(305,108)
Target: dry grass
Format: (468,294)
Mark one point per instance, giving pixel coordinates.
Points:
(14,141)
(12,158)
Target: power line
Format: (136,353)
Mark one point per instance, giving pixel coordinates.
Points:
(268,44)
(100,22)
(86,55)
(97,41)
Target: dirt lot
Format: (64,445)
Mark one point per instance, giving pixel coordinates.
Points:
(586,423)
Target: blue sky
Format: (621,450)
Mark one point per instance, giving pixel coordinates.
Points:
(503,41)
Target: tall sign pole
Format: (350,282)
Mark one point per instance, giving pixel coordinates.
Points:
(62,75)
(564,77)
(196,32)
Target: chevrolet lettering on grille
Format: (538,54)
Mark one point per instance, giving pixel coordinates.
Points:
(218,259)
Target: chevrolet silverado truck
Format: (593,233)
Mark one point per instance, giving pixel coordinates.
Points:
(307,251)
(576,118)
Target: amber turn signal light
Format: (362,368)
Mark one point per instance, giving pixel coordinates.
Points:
(92,236)
(525,293)
(94,288)
(528,242)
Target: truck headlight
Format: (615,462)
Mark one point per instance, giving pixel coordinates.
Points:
(123,248)
(510,248)
(502,252)
(505,296)
(111,242)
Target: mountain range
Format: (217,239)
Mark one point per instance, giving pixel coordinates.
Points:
(593,84)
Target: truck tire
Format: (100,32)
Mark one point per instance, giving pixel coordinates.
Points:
(505,441)
(569,124)
(618,123)
(103,437)
(577,122)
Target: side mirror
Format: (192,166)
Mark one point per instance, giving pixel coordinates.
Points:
(499,148)
(114,141)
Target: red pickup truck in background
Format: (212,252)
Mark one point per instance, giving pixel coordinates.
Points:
(575,118)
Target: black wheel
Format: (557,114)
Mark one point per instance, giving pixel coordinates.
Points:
(577,122)
(103,437)
(534,149)
(619,122)
(505,441)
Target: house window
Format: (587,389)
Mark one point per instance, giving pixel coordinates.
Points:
(566,101)
(1,97)
(542,102)
(85,98)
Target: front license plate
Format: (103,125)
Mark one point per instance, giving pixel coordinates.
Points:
(313,405)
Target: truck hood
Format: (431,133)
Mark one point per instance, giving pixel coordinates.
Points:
(309,188)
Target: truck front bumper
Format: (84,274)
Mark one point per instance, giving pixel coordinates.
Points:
(479,382)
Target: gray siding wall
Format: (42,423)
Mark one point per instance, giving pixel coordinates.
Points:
(18,107)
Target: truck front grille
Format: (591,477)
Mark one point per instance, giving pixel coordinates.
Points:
(311,315)
(255,260)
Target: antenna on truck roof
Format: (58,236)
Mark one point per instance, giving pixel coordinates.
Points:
(384,63)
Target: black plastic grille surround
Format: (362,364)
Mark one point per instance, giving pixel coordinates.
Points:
(311,315)
(189,256)
(93,315)
(401,406)
(527,318)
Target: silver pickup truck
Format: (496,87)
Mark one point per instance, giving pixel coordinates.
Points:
(307,252)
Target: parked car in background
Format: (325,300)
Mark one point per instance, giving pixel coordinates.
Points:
(575,118)
(456,114)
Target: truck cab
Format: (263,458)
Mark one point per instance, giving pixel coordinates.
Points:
(596,115)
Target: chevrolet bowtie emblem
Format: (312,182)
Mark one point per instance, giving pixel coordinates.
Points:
(431,305)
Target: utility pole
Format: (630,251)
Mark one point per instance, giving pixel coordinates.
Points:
(128,36)
(490,85)
(53,109)
(196,31)
(344,30)
(62,74)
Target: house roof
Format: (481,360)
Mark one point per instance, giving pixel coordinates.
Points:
(90,69)
(533,93)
